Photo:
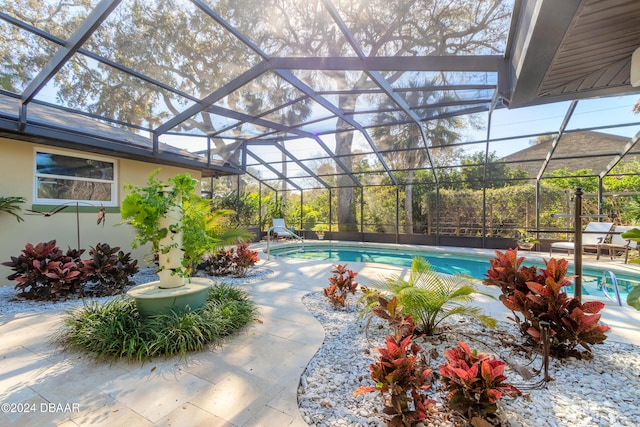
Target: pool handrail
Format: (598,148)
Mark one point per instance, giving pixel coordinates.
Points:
(614,280)
(289,233)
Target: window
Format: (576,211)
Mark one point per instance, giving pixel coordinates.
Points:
(62,178)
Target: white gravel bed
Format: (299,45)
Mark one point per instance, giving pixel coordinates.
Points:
(10,305)
(603,391)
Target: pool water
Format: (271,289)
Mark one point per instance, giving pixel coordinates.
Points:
(594,282)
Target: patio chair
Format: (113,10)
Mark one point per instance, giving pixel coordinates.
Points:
(280,228)
(594,235)
(618,244)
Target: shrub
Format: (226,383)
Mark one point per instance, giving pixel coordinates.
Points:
(429,296)
(341,284)
(475,382)
(229,262)
(115,330)
(111,268)
(44,272)
(538,296)
(401,373)
(390,311)
(218,264)
(244,259)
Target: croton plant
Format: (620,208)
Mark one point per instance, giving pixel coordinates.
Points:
(476,382)
(537,295)
(400,372)
(44,272)
(341,284)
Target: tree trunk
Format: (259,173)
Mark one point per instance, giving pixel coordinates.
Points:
(346,193)
(408,203)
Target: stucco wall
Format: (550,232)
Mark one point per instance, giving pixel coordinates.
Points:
(17,179)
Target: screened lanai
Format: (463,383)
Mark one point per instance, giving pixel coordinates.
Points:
(403,121)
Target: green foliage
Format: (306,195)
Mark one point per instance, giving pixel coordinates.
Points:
(245,207)
(143,208)
(630,212)
(507,209)
(402,374)
(633,298)
(115,330)
(11,205)
(475,382)
(312,210)
(496,174)
(380,208)
(341,284)
(321,228)
(430,297)
(523,237)
(583,178)
(538,296)
(624,176)
(203,230)
(633,235)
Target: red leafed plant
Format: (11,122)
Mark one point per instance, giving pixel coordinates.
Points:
(538,296)
(110,268)
(391,311)
(245,258)
(401,373)
(508,273)
(229,262)
(341,284)
(475,381)
(44,272)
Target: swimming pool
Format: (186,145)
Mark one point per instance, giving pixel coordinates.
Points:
(595,282)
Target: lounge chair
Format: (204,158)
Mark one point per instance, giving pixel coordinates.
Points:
(618,244)
(593,236)
(280,228)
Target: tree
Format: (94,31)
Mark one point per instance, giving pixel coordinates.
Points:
(496,175)
(177,44)
(583,178)
(403,143)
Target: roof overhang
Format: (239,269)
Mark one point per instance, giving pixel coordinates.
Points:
(570,49)
(87,143)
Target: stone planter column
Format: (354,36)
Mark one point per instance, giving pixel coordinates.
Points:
(170,259)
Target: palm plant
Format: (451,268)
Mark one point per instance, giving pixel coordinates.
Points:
(404,144)
(429,296)
(11,206)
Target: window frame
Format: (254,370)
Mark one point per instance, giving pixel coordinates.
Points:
(47,201)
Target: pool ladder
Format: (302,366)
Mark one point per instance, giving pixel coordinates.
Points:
(614,281)
(290,233)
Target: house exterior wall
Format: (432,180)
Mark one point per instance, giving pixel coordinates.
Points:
(17,179)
